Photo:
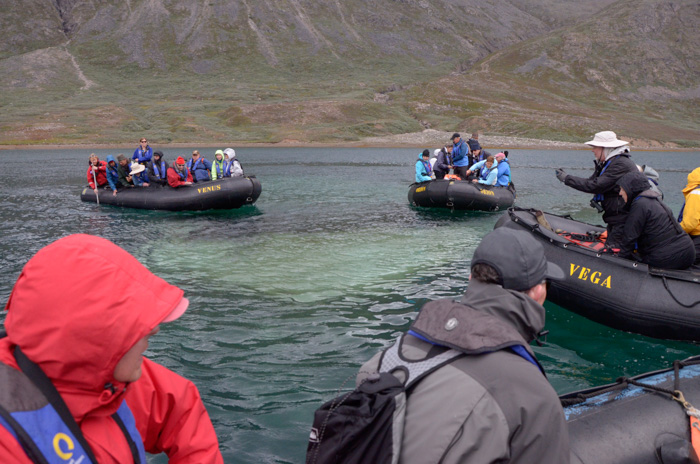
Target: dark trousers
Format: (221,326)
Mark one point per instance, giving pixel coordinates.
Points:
(696,242)
(461,171)
(615,232)
(439,174)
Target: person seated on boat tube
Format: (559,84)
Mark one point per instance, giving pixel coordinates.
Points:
(612,161)
(219,166)
(486,171)
(143,152)
(158,169)
(503,177)
(234,166)
(494,403)
(690,211)
(651,227)
(179,174)
(125,179)
(138,175)
(112,174)
(460,156)
(79,318)
(200,167)
(423,167)
(443,162)
(653,177)
(97,170)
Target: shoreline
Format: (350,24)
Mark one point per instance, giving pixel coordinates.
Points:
(428,138)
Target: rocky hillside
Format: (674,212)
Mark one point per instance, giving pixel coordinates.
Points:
(88,71)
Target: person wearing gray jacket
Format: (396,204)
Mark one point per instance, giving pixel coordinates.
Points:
(494,404)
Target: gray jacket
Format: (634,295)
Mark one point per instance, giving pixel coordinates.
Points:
(492,406)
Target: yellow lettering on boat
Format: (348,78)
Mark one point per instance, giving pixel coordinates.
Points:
(208,189)
(488,192)
(420,189)
(589,275)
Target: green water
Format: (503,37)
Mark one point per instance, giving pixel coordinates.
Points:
(290,296)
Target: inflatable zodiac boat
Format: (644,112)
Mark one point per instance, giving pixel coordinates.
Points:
(620,293)
(637,420)
(461,194)
(227,193)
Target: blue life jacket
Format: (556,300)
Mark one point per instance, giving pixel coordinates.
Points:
(486,171)
(599,196)
(157,172)
(32,410)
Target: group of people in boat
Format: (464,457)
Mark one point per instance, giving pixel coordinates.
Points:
(148,168)
(640,225)
(467,160)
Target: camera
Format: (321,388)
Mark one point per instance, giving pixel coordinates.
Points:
(597,205)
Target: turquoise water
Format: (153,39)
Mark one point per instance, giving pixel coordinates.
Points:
(290,296)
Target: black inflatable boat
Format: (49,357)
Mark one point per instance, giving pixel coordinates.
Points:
(227,193)
(461,194)
(620,293)
(634,420)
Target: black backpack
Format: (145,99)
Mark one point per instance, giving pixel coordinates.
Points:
(366,424)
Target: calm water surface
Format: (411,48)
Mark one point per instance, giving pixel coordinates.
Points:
(290,296)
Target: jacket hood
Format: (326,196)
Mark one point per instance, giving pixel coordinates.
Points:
(693,181)
(488,318)
(634,183)
(230,152)
(77,307)
(612,152)
(111,158)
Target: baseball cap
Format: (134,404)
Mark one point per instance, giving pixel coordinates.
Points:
(454,136)
(517,257)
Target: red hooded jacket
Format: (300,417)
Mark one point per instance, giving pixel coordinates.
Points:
(100,173)
(75,310)
(174,179)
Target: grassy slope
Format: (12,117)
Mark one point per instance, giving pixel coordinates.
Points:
(192,75)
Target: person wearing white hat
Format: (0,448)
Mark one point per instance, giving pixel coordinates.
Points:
(138,175)
(612,161)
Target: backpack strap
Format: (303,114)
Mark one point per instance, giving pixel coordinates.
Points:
(415,370)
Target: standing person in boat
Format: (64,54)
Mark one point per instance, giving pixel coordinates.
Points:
(75,384)
(612,161)
(112,174)
(138,175)
(690,212)
(125,179)
(143,152)
(474,142)
(97,170)
(486,171)
(651,228)
(443,164)
(234,167)
(493,403)
(200,167)
(503,170)
(179,174)
(460,156)
(158,169)
(220,168)
(423,167)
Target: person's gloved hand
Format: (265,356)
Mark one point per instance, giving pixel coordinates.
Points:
(561,175)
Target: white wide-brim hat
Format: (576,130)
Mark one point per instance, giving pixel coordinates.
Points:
(607,139)
(137,168)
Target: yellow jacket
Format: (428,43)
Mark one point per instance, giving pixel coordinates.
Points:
(691,212)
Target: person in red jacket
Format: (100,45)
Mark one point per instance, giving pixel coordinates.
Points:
(73,381)
(178,174)
(96,170)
